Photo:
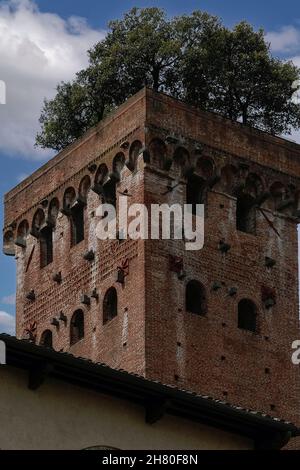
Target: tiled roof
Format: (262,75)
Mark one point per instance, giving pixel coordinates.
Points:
(166,398)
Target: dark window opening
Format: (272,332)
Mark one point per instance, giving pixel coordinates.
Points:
(247,315)
(195,298)
(22,234)
(246,214)
(77,327)
(195,192)
(46,246)
(109,193)
(46,339)
(77,225)
(110,305)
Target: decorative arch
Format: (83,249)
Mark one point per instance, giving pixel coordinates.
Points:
(53,211)
(134,151)
(37,222)
(69,198)
(118,163)
(109,193)
(101,174)
(22,233)
(101,177)
(8,243)
(84,187)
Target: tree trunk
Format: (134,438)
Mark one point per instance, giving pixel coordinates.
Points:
(155,76)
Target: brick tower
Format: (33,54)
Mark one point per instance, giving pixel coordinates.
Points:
(219,321)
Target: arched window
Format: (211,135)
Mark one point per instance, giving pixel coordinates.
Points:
(69,198)
(22,233)
(134,152)
(46,339)
(84,187)
(118,164)
(53,211)
(37,222)
(247,315)
(110,305)
(46,246)
(109,194)
(101,174)
(195,298)
(245,214)
(77,327)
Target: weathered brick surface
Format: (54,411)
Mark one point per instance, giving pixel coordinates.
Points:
(152,334)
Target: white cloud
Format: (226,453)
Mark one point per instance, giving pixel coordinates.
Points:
(8,299)
(37,51)
(286,40)
(296,59)
(7,323)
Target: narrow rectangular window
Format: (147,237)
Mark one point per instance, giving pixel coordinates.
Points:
(46,246)
(77,225)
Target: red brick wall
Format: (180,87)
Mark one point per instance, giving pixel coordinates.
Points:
(186,350)
(98,145)
(119,343)
(153,335)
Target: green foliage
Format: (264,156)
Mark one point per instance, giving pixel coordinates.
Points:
(191,57)
(241,80)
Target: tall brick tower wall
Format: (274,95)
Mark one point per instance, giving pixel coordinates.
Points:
(60,183)
(155,149)
(208,352)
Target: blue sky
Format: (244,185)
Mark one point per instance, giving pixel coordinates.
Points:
(45,42)
(268,14)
